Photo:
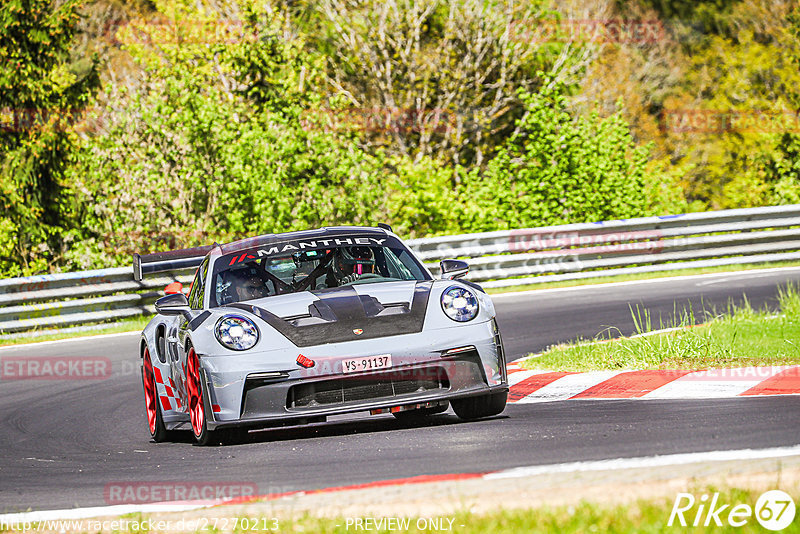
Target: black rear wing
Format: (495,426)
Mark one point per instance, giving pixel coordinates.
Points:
(172,260)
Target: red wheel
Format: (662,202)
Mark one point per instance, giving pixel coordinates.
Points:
(150,395)
(197,412)
(155,421)
(194,389)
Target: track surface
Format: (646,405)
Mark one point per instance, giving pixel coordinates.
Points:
(62,442)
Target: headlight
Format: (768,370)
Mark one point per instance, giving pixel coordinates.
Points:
(459,304)
(236,332)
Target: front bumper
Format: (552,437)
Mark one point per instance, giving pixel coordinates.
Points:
(274,394)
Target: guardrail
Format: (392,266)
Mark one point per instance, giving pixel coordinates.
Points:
(498,259)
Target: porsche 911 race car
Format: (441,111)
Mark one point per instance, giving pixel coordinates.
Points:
(288,329)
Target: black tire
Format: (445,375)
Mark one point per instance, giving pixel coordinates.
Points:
(421,414)
(161,434)
(207,437)
(481,406)
(232,436)
(226,436)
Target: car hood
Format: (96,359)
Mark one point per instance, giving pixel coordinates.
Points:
(297,304)
(345,313)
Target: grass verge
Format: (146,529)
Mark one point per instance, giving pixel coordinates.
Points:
(642,516)
(642,276)
(739,338)
(127,325)
(650,515)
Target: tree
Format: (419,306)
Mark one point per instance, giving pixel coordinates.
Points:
(439,78)
(42,94)
(782,165)
(216,143)
(558,169)
(720,82)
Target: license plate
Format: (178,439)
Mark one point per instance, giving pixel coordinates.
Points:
(368,363)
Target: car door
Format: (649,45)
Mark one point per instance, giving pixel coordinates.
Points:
(181,330)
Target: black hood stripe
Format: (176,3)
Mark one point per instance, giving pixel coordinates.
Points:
(344,313)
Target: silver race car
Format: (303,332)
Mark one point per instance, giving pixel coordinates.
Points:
(288,329)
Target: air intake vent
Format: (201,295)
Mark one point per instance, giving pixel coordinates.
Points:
(367,387)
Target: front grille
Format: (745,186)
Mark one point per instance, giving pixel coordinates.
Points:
(367,387)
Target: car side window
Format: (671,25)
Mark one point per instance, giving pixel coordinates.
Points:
(198,287)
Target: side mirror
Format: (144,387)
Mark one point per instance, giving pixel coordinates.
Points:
(173,289)
(453,269)
(173,305)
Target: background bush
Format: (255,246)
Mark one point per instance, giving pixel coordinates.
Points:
(166,124)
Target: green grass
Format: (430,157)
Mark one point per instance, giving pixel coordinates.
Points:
(127,325)
(642,276)
(741,337)
(641,516)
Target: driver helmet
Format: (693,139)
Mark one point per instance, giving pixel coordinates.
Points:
(352,262)
(241,284)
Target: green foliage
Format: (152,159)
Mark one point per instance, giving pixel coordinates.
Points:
(212,147)
(438,77)
(740,83)
(558,169)
(782,165)
(422,200)
(41,93)
(224,119)
(759,81)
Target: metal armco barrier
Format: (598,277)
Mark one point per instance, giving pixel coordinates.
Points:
(647,244)
(497,259)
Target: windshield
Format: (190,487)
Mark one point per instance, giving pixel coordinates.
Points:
(243,276)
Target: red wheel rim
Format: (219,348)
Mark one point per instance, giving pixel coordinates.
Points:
(196,412)
(150,396)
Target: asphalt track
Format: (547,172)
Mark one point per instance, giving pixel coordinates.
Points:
(63,442)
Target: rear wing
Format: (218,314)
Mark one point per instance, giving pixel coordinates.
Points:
(172,260)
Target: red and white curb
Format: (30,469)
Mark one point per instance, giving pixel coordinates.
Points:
(546,386)
(515,472)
